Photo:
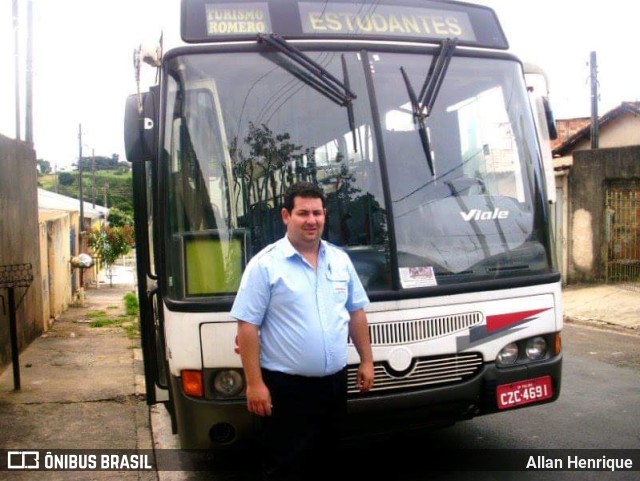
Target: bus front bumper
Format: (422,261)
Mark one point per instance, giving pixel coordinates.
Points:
(445,405)
(206,424)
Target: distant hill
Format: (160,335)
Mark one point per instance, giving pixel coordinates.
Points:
(112,186)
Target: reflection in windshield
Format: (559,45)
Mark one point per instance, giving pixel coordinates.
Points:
(423,104)
(273,130)
(477,218)
(242,128)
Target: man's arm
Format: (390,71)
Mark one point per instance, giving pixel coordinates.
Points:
(359,332)
(258,395)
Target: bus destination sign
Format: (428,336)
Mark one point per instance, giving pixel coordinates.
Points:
(237,19)
(411,20)
(385,20)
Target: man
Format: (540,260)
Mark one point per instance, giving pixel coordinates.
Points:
(299,300)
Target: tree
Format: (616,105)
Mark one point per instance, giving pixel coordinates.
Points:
(105,163)
(119,218)
(109,243)
(66,178)
(265,165)
(44,166)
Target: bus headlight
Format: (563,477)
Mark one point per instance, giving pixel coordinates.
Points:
(228,383)
(508,354)
(536,348)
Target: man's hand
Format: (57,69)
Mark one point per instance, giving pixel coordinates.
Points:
(364,379)
(359,332)
(258,395)
(259,399)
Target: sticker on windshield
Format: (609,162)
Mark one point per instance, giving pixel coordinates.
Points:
(412,277)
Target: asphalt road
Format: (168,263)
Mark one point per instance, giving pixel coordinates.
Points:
(599,408)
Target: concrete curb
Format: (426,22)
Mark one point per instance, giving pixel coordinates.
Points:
(138,370)
(602,325)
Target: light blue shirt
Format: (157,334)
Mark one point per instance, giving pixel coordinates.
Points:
(303,313)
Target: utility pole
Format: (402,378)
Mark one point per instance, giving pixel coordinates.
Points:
(80,187)
(93,171)
(16,52)
(106,188)
(595,141)
(29,88)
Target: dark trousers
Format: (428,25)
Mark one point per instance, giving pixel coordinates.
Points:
(301,439)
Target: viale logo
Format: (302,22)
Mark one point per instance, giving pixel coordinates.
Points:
(477,214)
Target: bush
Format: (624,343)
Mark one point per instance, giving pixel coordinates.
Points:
(119,218)
(109,243)
(131,304)
(66,178)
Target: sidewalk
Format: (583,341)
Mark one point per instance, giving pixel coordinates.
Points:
(602,305)
(78,391)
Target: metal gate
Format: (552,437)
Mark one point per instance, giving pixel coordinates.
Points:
(623,234)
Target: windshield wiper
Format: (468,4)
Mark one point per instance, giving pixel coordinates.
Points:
(350,114)
(423,104)
(322,80)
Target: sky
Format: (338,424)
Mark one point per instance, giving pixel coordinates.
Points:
(83,62)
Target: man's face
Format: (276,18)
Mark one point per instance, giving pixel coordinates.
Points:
(305,222)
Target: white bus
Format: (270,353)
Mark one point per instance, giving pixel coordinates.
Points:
(415,120)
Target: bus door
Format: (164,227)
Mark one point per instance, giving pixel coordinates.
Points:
(140,139)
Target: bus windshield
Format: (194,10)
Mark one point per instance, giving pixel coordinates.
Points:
(239,129)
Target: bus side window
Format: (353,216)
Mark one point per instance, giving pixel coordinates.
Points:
(198,211)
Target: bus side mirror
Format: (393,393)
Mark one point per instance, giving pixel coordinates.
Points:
(141,129)
(551,121)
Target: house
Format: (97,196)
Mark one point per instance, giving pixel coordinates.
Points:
(38,236)
(59,227)
(620,127)
(598,196)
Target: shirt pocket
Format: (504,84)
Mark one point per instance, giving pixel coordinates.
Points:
(339,285)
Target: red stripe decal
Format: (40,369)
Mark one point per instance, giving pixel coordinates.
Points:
(501,321)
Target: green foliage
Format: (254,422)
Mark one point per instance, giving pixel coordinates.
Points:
(132,330)
(131,303)
(119,218)
(114,186)
(44,166)
(66,178)
(104,163)
(105,322)
(109,243)
(128,322)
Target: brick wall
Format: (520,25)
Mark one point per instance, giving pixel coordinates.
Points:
(569,127)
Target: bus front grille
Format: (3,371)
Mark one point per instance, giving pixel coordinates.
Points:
(418,330)
(424,371)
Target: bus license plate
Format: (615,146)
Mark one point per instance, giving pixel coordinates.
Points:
(524,392)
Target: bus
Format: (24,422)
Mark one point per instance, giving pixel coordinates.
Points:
(415,120)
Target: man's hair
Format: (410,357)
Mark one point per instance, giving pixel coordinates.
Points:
(302,189)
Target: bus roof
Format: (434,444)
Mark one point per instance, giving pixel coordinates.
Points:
(206,21)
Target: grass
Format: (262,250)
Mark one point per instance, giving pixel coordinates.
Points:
(132,330)
(131,303)
(128,322)
(105,322)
